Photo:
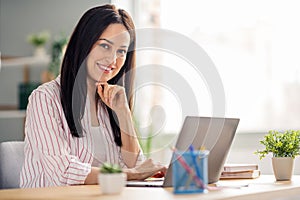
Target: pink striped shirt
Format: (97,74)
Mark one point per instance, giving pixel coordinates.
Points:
(52,156)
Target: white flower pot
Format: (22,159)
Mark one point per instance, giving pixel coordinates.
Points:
(283,168)
(40,52)
(112,183)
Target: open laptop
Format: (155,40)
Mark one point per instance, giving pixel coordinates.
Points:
(213,133)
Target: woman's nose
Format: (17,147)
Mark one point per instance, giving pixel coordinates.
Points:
(111,57)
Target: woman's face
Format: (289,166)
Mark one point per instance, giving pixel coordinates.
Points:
(108,54)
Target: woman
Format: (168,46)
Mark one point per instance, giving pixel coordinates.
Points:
(83,118)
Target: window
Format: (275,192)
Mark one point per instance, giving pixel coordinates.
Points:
(255,47)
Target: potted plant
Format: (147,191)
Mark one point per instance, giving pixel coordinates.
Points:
(285,147)
(38,40)
(57,51)
(111,178)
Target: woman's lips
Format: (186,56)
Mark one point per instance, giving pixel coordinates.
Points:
(105,68)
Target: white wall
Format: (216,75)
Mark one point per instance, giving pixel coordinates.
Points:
(20,18)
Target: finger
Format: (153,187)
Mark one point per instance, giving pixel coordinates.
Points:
(98,83)
(105,91)
(163,170)
(158,174)
(100,91)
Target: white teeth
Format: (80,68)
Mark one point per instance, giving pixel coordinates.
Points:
(103,67)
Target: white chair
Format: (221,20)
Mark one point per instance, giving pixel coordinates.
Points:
(11,161)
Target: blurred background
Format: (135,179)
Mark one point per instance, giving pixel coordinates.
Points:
(254,45)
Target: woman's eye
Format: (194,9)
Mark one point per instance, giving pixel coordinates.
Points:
(104,46)
(122,52)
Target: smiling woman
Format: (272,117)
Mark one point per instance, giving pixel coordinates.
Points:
(108,55)
(83,119)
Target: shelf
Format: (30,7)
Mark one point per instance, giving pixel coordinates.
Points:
(25,61)
(9,114)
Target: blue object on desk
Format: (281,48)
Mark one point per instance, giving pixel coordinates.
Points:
(183,180)
(194,156)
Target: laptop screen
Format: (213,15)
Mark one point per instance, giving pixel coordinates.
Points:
(212,133)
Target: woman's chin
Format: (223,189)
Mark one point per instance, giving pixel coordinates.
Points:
(103,80)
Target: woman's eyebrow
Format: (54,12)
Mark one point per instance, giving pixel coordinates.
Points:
(111,42)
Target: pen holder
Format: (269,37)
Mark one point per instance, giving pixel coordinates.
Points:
(190,171)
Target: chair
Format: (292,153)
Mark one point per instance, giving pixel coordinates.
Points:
(11,161)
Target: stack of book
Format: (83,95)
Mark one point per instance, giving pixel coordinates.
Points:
(232,171)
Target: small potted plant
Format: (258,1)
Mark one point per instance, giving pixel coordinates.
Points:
(285,147)
(39,40)
(57,51)
(111,178)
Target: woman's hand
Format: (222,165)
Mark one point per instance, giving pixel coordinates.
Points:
(113,96)
(147,169)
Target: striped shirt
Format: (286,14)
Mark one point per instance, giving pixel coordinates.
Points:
(53,157)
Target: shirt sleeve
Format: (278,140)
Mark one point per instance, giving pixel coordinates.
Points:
(49,160)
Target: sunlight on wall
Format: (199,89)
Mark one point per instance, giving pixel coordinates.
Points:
(255,46)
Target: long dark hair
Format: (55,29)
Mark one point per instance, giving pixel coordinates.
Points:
(74,88)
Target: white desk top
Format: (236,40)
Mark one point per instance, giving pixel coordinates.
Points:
(264,187)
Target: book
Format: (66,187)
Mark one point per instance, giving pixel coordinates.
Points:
(241,174)
(239,167)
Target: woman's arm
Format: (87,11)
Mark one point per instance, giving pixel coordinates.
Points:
(92,177)
(130,146)
(141,172)
(48,158)
(114,96)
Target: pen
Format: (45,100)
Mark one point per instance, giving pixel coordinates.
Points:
(190,171)
(194,160)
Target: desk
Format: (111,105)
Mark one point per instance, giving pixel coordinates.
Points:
(264,187)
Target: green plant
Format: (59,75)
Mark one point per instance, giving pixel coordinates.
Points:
(56,54)
(281,144)
(38,39)
(144,141)
(108,168)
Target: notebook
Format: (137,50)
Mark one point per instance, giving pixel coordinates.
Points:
(214,133)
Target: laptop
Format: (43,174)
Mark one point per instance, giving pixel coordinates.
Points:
(214,133)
